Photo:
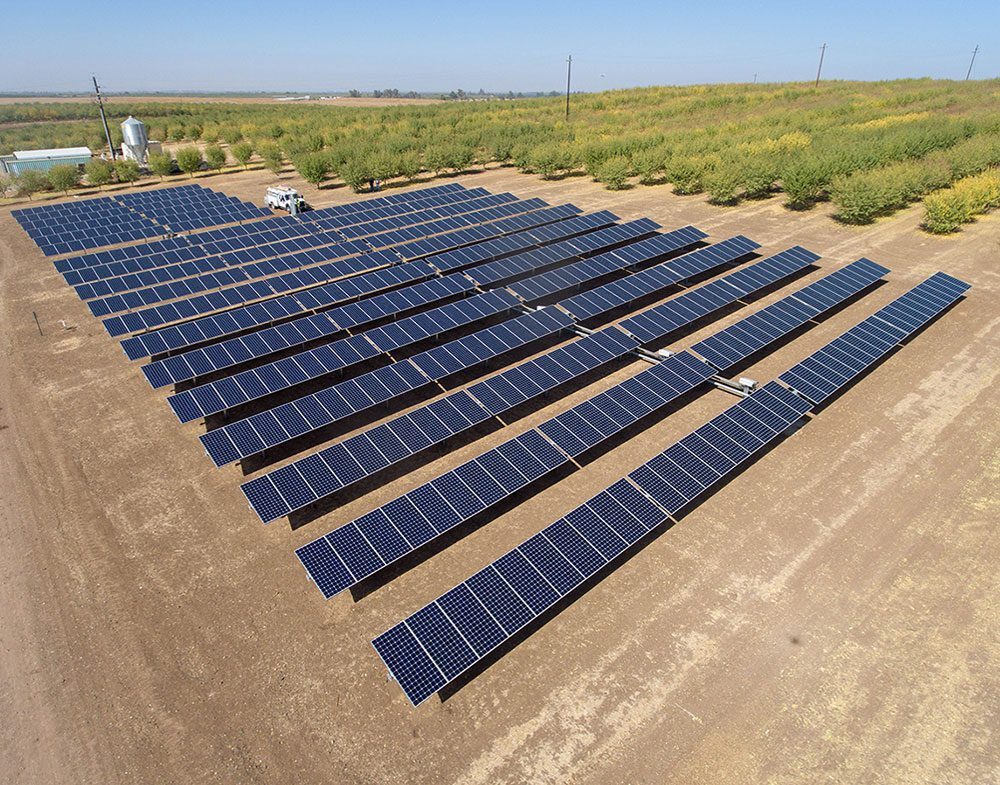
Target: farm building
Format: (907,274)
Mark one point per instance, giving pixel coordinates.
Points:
(43,160)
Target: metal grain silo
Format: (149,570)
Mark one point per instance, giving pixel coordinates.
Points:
(135,142)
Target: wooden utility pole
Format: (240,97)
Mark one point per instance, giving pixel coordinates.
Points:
(569,71)
(969,72)
(107,131)
(822,51)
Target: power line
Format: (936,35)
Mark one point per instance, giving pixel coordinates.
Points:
(969,72)
(822,52)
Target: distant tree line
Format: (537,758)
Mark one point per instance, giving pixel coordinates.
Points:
(870,148)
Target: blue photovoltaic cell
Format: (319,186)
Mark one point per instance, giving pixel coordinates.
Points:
(548,566)
(152,317)
(191,250)
(92,223)
(429,246)
(616,294)
(826,372)
(328,323)
(261,261)
(539,258)
(263,289)
(571,223)
(411,433)
(735,344)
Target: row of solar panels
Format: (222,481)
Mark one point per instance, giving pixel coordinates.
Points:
(109,220)
(215,397)
(533,226)
(207,256)
(428,196)
(280,492)
(574,432)
(298,332)
(287,373)
(444,639)
(498,220)
(240,266)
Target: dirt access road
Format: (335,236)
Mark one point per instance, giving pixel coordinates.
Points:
(829,616)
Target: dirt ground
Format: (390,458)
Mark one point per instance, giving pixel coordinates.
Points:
(829,616)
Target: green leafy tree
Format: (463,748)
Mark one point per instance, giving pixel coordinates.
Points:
(161,164)
(215,156)
(614,173)
(98,172)
(314,167)
(127,171)
(31,182)
(64,177)
(189,160)
(231,134)
(409,165)
(650,165)
(724,185)
(5,183)
(804,183)
(437,159)
(461,157)
(356,172)
(545,161)
(242,152)
(759,175)
(273,159)
(685,175)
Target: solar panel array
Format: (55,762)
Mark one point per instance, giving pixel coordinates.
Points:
(735,344)
(232,266)
(229,238)
(189,207)
(445,638)
(312,364)
(351,553)
(304,271)
(270,428)
(825,373)
(278,494)
(291,331)
(108,220)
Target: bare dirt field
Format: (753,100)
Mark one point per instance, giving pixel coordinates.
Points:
(829,616)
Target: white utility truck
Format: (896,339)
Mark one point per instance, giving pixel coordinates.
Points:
(281,197)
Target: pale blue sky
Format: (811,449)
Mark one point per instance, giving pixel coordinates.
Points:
(514,45)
